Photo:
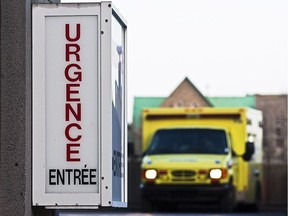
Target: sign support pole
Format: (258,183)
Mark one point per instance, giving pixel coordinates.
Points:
(15,142)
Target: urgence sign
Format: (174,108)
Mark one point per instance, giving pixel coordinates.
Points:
(76,131)
(73,117)
(71,105)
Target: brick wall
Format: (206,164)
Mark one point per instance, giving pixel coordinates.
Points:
(274,108)
(185,95)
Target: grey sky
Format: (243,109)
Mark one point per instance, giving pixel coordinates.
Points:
(225,47)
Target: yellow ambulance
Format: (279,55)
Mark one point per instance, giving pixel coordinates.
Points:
(201,156)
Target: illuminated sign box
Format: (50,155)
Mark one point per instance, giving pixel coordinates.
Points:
(79,106)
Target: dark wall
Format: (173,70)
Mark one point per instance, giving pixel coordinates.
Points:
(15,104)
(15,143)
(275,186)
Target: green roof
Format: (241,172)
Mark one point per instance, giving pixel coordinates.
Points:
(141,103)
(247,101)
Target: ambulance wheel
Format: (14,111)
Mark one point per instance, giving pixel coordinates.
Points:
(166,207)
(147,206)
(228,201)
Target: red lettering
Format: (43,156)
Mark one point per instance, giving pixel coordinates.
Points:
(73,74)
(67,132)
(70,109)
(70,91)
(67,33)
(77,74)
(75,51)
(71,149)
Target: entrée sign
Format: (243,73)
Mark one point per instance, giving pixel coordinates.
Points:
(73,115)
(79,138)
(71,105)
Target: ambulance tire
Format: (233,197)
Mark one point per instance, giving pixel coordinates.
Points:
(166,207)
(228,201)
(147,206)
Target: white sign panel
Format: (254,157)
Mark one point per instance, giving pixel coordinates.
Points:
(71,104)
(65,103)
(79,106)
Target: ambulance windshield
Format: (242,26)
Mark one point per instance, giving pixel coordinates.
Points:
(188,141)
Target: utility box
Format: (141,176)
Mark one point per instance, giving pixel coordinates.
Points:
(79,106)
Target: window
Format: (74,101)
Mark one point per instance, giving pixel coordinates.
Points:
(189,141)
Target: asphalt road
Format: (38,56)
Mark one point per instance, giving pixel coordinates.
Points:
(193,214)
(121,213)
(170,214)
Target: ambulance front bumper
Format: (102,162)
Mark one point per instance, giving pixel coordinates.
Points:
(184,193)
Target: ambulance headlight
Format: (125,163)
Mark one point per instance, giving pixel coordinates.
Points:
(150,174)
(215,173)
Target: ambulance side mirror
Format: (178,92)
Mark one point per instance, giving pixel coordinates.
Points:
(249,151)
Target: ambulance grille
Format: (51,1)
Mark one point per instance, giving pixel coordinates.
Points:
(183,173)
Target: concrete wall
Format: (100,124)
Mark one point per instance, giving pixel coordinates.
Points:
(15,102)
(15,143)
